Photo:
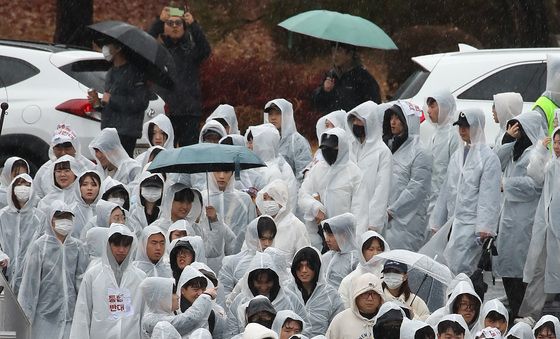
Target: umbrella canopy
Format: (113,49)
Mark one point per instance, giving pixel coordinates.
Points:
(205,157)
(143,50)
(419,262)
(339,27)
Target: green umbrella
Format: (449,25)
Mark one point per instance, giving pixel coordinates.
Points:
(339,27)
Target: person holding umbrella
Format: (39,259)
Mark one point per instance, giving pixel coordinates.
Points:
(183,37)
(125,96)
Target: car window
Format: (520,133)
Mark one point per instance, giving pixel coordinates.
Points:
(90,73)
(412,85)
(529,80)
(13,70)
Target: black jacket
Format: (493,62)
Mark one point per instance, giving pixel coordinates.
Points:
(128,102)
(352,88)
(188,53)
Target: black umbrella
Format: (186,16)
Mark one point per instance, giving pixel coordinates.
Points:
(143,50)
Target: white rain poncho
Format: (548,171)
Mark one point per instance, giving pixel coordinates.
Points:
(235,266)
(489,306)
(324,303)
(180,225)
(56,192)
(520,330)
(137,217)
(62,134)
(164,330)
(293,146)
(193,243)
(163,123)
(108,142)
(337,186)
(226,112)
(6,178)
(521,197)
(444,142)
(410,184)
(469,197)
(371,266)
(409,328)
(249,178)
(340,264)
(158,294)
(213,126)
(374,159)
(159,269)
(102,217)
(266,143)
(109,186)
(83,212)
(235,209)
(19,227)
(51,278)
(458,319)
(95,242)
(200,333)
(337,119)
(201,309)
(462,287)
(281,318)
(545,237)
(507,106)
(350,324)
(544,319)
(257,331)
(282,298)
(109,303)
(194,216)
(291,233)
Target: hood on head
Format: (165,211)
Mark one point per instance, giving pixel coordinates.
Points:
(261,261)
(164,330)
(343,156)
(163,122)
(188,274)
(553,73)
(107,258)
(547,318)
(214,188)
(179,225)
(365,283)
(409,328)
(74,167)
(158,294)
(463,287)
(288,122)
(6,175)
(213,126)
(508,106)
(169,195)
(110,185)
(277,190)
(281,318)
(493,305)
(141,253)
(266,141)
(252,235)
(257,304)
(365,237)
(108,142)
(209,274)
(237,139)
(200,333)
(531,124)
(103,211)
(368,113)
(521,330)
(258,331)
(343,227)
(56,206)
(10,190)
(458,319)
(337,118)
(313,258)
(477,121)
(95,241)
(145,176)
(389,312)
(78,192)
(447,106)
(226,112)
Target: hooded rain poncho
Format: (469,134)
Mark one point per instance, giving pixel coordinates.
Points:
(83,212)
(159,269)
(339,264)
(226,112)
(6,178)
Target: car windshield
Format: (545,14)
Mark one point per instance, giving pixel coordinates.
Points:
(412,85)
(90,73)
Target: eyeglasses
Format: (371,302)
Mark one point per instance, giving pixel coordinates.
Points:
(548,335)
(172,23)
(369,294)
(464,306)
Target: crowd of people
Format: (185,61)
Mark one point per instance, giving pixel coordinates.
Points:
(107,249)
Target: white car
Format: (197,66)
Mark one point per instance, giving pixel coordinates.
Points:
(45,85)
(474,75)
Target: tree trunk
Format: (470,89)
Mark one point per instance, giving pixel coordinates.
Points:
(72,18)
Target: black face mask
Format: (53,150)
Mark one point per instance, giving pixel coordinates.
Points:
(359,131)
(330,154)
(265,322)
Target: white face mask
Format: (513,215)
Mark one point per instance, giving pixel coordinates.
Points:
(270,207)
(151,194)
(393,280)
(107,53)
(118,201)
(22,193)
(63,226)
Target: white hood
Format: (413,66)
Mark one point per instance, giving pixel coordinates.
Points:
(447,107)
(343,156)
(373,121)
(214,126)
(458,319)
(226,112)
(546,318)
(508,106)
(108,142)
(103,211)
(164,330)
(337,118)
(163,122)
(476,120)
(29,204)
(266,141)
(6,175)
(258,331)
(158,294)
(553,73)
(493,305)
(147,232)
(364,283)
(107,257)
(277,190)
(188,274)
(410,327)
(288,122)
(531,123)
(281,318)
(365,237)
(344,230)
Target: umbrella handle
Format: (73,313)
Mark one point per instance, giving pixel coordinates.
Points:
(419,287)
(237,168)
(208,199)
(4,108)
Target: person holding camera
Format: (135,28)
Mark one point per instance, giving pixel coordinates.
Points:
(183,37)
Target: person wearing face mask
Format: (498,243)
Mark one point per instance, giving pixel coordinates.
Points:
(52,275)
(330,187)
(125,96)
(395,287)
(291,233)
(148,201)
(12,167)
(20,224)
(258,311)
